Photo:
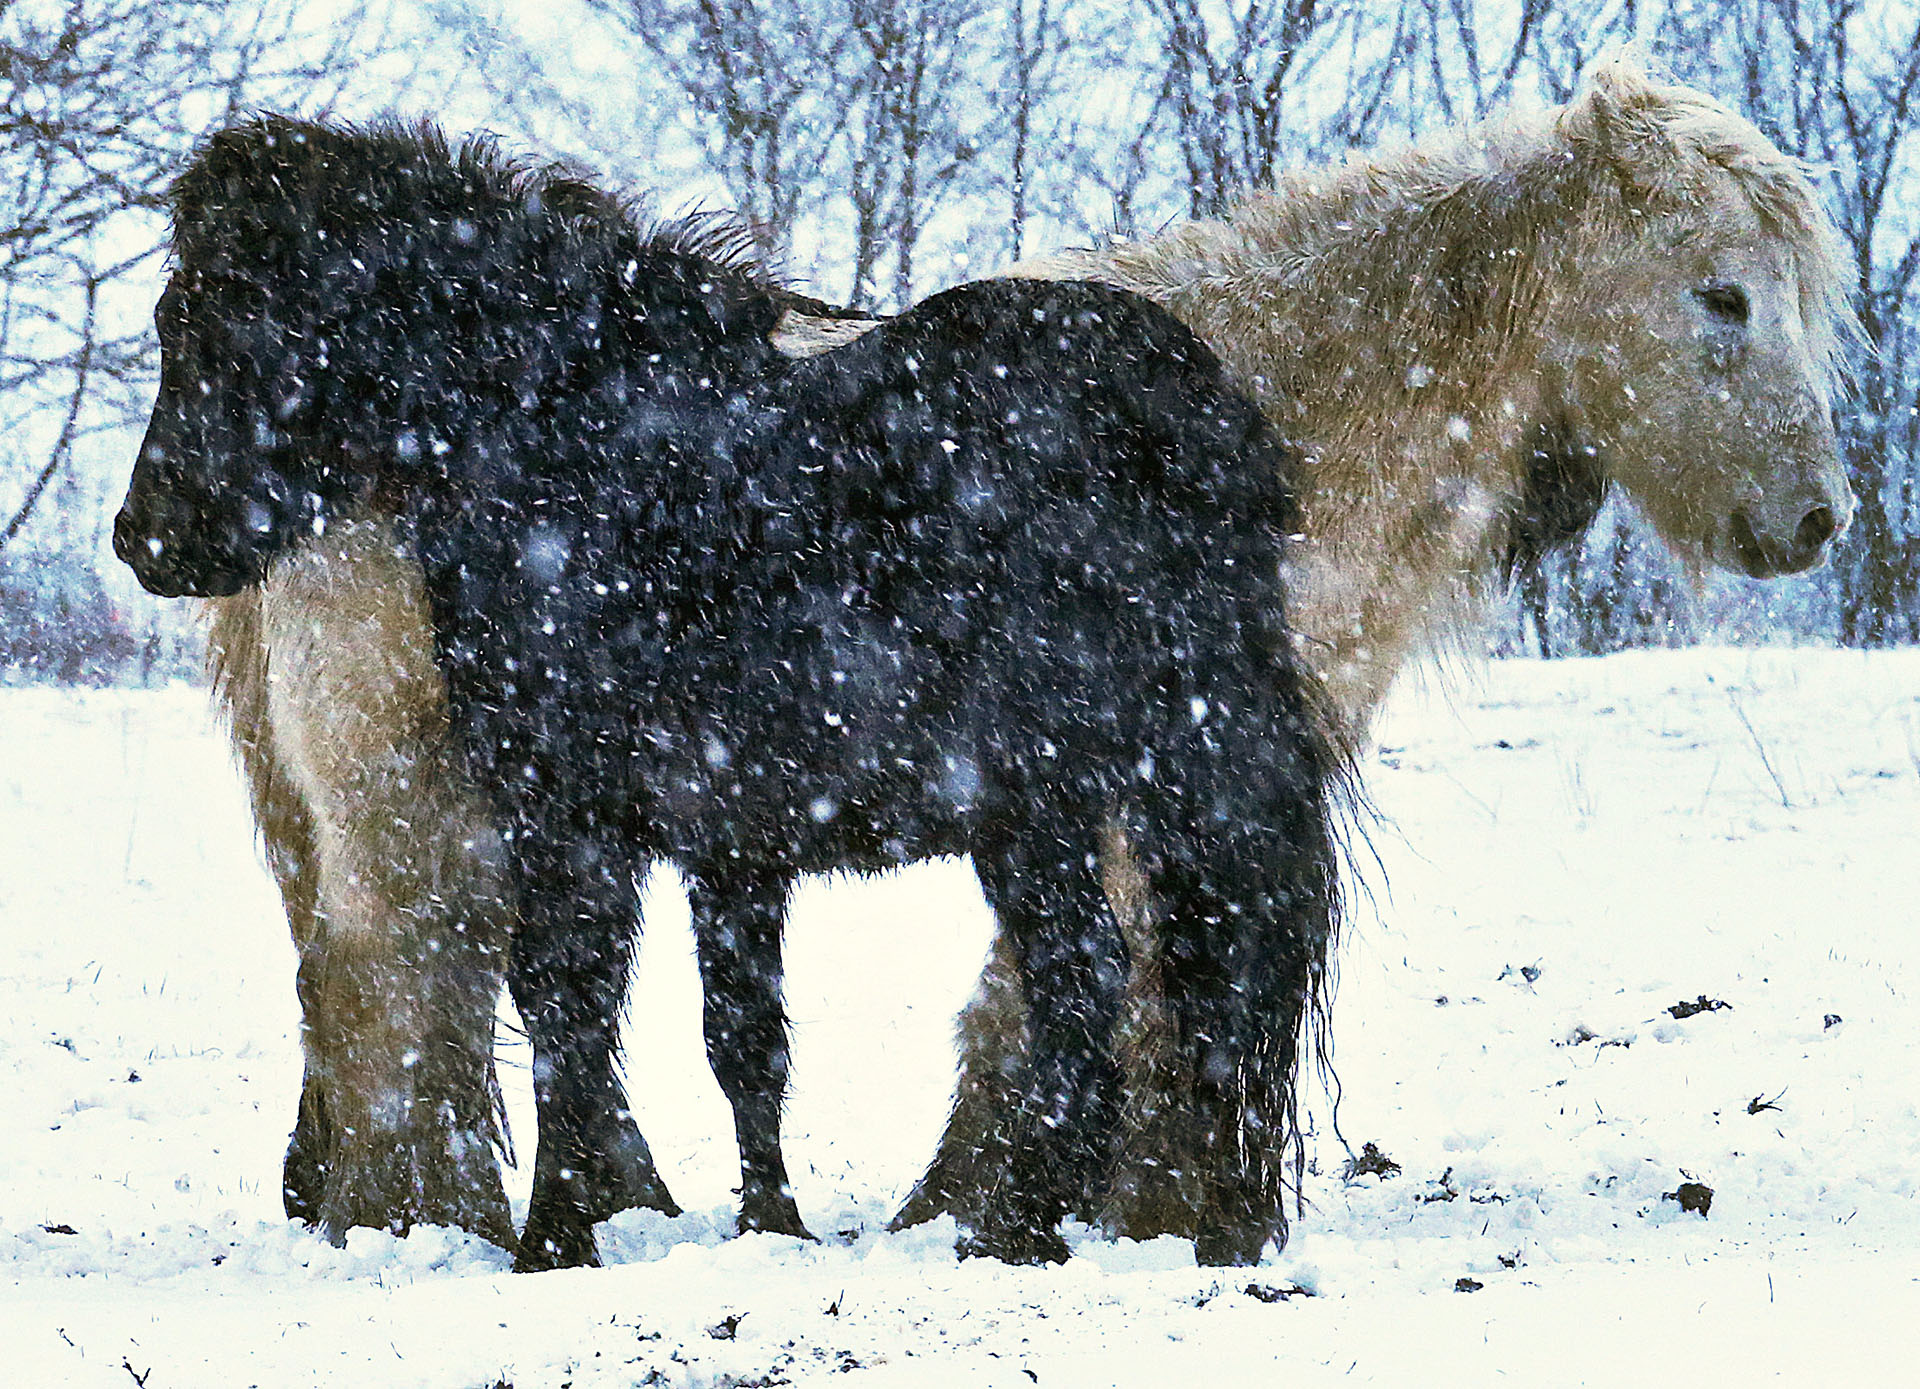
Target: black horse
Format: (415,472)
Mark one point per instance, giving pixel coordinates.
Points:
(971,584)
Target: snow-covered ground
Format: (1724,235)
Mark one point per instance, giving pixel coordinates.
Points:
(1566,852)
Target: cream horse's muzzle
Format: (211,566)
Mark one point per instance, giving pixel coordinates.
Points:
(1798,541)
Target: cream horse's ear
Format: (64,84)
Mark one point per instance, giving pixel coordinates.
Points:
(1614,118)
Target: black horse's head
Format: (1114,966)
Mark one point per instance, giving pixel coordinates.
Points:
(220,485)
(356,312)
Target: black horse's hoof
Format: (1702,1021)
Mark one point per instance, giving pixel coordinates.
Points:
(772,1215)
(921,1207)
(1014,1246)
(578,1183)
(959,1182)
(614,1171)
(544,1248)
(924,1204)
(1233,1246)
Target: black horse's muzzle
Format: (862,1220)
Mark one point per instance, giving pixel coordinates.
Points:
(169,566)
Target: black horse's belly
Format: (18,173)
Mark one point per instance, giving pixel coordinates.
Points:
(813,753)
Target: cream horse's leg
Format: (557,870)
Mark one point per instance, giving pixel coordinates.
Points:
(237,663)
(396,899)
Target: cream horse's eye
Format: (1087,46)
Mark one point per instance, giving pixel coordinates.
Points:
(1726,302)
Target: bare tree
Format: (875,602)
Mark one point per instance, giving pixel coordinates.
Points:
(923,120)
(845,117)
(99,102)
(767,81)
(1868,139)
(1228,70)
(1032,41)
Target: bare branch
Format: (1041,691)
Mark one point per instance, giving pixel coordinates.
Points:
(63,446)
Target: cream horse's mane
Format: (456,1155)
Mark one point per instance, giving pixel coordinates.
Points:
(1431,238)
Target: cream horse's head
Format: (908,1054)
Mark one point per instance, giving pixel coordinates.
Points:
(1700,325)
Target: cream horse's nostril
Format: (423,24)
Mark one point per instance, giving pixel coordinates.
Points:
(1816,528)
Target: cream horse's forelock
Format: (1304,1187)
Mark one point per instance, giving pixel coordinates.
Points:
(1700,138)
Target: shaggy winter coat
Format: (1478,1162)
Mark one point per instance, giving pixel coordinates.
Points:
(999,570)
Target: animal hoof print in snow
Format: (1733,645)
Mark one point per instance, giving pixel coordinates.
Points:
(1014,1247)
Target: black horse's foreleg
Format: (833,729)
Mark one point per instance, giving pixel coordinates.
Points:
(737,923)
(571,953)
(1040,878)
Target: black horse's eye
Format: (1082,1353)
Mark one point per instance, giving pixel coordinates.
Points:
(1728,303)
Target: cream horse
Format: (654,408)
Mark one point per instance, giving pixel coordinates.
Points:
(1472,339)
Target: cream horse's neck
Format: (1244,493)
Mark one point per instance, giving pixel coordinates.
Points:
(1339,310)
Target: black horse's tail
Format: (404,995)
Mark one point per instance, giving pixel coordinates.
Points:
(1238,835)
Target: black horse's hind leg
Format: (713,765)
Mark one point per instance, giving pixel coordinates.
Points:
(571,953)
(737,921)
(1040,877)
(1241,863)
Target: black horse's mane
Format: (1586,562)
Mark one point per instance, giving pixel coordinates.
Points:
(277,175)
(729,241)
(519,284)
